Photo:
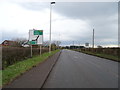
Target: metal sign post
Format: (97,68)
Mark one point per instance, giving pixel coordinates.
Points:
(31,50)
(40,50)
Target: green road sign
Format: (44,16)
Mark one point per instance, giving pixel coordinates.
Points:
(38,32)
(32,42)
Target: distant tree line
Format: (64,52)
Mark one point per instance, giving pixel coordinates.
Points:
(73,47)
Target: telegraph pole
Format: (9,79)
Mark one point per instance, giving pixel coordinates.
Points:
(73,45)
(31,51)
(93,39)
(59,41)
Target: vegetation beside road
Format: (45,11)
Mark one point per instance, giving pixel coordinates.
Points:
(115,58)
(12,55)
(0,78)
(15,70)
(102,55)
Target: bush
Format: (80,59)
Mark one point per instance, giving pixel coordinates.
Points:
(109,51)
(11,55)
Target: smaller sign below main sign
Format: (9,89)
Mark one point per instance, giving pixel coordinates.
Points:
(32,42)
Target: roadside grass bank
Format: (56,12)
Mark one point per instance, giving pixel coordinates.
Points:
(17,69)
(102,55)
(0,78)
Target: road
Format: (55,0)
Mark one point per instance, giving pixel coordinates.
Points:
(35,77)
(78,70)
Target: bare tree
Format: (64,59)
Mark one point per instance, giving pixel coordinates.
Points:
(20,41)
(46,43)
(57,43)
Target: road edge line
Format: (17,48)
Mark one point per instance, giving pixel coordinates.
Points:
(50,70)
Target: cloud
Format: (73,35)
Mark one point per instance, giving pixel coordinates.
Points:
(18,20)
(86,9)
(102,16)
(71,29)
(70,21)
(37,6)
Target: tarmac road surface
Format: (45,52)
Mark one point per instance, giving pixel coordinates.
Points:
(78,70)
(35,77)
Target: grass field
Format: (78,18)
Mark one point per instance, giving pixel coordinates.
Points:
(11,72)
(102,55)
(0,78)
(115,58)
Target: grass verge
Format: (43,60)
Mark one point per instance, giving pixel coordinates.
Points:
(13,71)
(102,55)
(0,78)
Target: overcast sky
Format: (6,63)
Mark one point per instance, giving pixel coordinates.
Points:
(71,21)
